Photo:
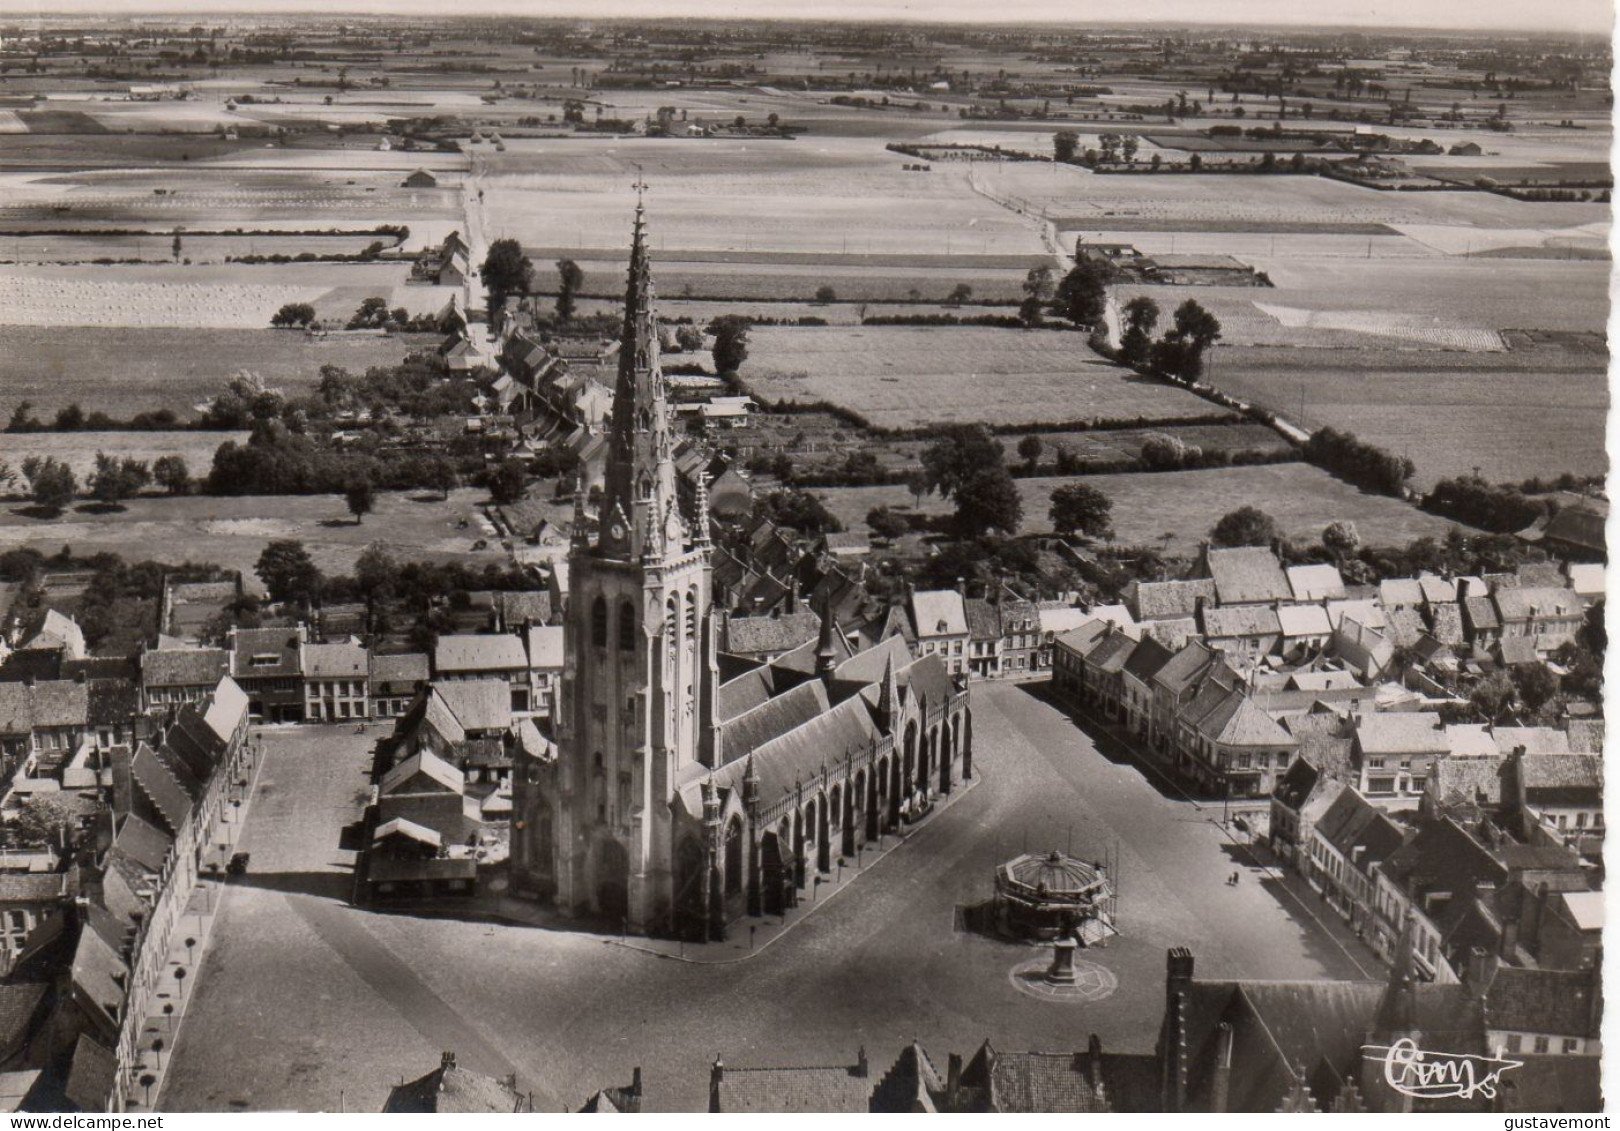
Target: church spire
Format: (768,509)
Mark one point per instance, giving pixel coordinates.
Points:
(639,480)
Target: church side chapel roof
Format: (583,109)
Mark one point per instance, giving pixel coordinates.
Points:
(795,757)
(773,718)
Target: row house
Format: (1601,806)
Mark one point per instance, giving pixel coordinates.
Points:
(1004,636)
(1348,842)
(171,677)
(530,663)
(939,618)
(337,682)
(45,721)
(1396,751)
(395,682)
(1229,746)
(265,664)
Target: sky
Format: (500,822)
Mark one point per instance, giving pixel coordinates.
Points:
(1591,16)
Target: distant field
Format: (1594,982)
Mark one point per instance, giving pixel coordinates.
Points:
(798,282)
(78,449)
(909,376)
(1511,423)
(1183,505)
(122,371)
(158,246)
(233,532)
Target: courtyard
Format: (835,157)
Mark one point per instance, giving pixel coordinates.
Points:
(306,1003)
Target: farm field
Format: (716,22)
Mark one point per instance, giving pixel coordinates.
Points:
(1511,424)
(156,245)
(900,377)
(202,296)
(78,449)
(122,371)
(823,194)
(800,282)
(1183,505)
(232,532)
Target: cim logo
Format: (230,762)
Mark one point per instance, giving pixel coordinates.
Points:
(1438,1075)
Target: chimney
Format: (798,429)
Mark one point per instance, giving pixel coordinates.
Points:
(953,1079)
(1220,1085)
(635,1081)
(1178,970)
(861,1067)
(717,1073)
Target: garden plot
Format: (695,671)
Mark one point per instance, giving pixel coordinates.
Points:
(900,377)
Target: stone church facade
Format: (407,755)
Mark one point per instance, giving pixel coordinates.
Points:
(674,802)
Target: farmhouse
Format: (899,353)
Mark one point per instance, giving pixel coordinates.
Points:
(421,178)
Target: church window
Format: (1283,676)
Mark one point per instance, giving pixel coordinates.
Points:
(599,623)
(627,626)
(691,613)
(598,759)
(625,796)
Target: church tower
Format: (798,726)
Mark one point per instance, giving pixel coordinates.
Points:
(635,715)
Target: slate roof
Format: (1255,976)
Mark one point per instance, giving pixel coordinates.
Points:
(99,977)
(162,787)
(830,1090)
(143,843)
(1317,582)
(773,718)
(422,771)
(279,643)
(1443,856)
(478,704)
(1246,574)
(479,652)
(1179,672)
(111,702)
(769,635)
(1554,1084)
(798,754)
(1555,1002)
(1479,614)
(92,1076)
(546,647)
(56,703)
(1147,658)
(938,612)
(1110,651)
(1353,821)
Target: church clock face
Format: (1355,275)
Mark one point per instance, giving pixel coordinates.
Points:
(617,530)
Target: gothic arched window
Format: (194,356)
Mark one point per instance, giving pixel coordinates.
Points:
(599,623)
(627,626)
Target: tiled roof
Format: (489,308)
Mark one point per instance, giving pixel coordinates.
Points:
(1247,574)
(769,635)
(1242,620)
(1169,600)
(1563,779)
(1535,740)
(111,702)
(277,647)
(1555,1002)
(1517,650)
(983,619)
(1303,620)
(335,661)
(478,704)
(1436,589)
(1470,740)
(1404,625)
(479,652)
(1401,732)
(1554,1084)
(1035,1082)
(1317,582)
(1110,651)
(831,1090)
(1475,781)
(1585,735)
(32,887)
(1586,578)
(1248,725)
(1365,611)
(452,1090)
(1399,591)
(406,668)
(1540,601)
(423,771)
(99,976)
(1324,740)
(225,709)
(1443,856)
(1479,614)
(1082,639)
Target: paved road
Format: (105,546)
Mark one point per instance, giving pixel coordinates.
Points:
(306,1003)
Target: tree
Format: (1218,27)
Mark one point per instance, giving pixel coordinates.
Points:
(115,480)
(1082,296)
(508,482)
(23,419)
(1535,685)
(885,523)
(1080,507)
(51,483)
(440,474)
(1341,538)
(1065,143)
(989,501)
(293,314)
(43,818)
(171,473)
(570,278)
(1029,450)
(376,572)
(917,484)
(959,294)
(175,246)
(1038,283)
(798,510)
(1163,452)
(1246,526)
(1142,313)
(1492,698)
(1136,343)
(288,572)
(825,293)
(965,465)
(360,496)
(69,418)
(371,314)
(730,342)
(1196,325)
(506,270)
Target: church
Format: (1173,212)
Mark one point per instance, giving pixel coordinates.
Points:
(686,788)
